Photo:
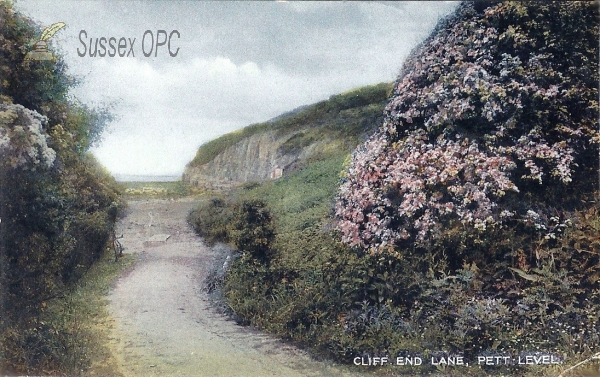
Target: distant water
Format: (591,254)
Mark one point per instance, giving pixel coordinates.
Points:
(146,178)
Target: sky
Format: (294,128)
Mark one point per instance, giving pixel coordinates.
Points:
(235,64)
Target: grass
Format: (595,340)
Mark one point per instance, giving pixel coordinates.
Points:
(158,190)
(345,115)
(301,200)
(81,321)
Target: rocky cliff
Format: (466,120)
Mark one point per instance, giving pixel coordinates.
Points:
(257,158)
(269,150)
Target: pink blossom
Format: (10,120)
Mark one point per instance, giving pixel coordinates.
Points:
(420,170)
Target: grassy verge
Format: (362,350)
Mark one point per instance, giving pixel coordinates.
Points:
(81,323)
(158,190)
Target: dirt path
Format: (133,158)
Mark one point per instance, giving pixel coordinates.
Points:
(164,325)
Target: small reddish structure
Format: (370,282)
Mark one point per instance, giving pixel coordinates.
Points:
(277,172)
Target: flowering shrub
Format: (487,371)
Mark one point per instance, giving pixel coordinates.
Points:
(495,108)
(58,206)
(23,142)
(463,197)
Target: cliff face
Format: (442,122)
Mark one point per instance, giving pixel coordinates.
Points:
(269,150)
(256,158)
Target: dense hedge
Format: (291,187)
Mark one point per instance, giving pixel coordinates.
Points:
(495,118)
(58,206)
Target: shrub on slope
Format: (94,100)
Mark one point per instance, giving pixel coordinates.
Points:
(471,189)
(495,118)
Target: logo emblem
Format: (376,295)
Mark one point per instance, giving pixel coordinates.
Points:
(40,48)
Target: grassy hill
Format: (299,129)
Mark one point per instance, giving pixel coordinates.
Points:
(345,116)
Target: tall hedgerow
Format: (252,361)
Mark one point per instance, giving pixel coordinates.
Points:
(58,206)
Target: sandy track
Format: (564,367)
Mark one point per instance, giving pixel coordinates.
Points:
(164,324)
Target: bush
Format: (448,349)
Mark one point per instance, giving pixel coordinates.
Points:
(212,220)
(57,205)
(253,231)
(247,225)
(490,125)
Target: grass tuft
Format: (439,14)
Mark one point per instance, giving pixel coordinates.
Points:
(80,323)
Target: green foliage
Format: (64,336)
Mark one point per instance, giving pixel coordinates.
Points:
(212,220)
(53,228)
(247,282)
(253,231)
(246,224)
(349,115)
(55,216)
(297,142)
(69,334)
(174,189)
(87,123)
(308,271)
(43,86)
(40,86)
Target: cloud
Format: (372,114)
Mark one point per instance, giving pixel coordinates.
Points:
(164,115)
(239,63)
(168,114)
